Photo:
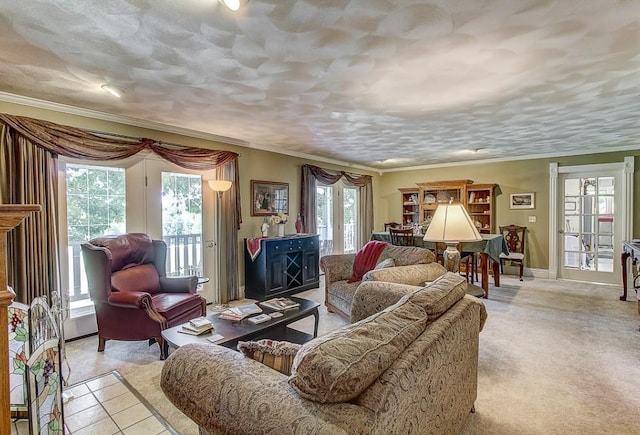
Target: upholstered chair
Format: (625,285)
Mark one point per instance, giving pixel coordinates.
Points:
(133,297)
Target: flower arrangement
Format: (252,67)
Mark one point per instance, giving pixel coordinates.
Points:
(280,218)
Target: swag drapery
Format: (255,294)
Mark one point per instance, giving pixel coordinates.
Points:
(308,212)
(29,150)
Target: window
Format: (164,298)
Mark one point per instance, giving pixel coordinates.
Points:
(96,206)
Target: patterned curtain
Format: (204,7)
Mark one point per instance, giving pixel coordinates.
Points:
(28,157)
(308,210)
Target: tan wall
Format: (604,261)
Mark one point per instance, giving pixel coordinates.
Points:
(254,164)
(512,177)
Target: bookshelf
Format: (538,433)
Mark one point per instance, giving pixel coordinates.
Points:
(480,205)
(410,205)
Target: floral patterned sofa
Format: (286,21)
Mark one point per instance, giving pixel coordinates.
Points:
(410,265)
(408,369)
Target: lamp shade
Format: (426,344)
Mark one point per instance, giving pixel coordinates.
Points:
(451,223)
(219,185)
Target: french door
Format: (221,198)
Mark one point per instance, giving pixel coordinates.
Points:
(338,220)
(593,206)
(138,194)
(180,211)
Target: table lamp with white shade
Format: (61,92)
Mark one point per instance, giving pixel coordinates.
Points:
(219,186)
(451,224)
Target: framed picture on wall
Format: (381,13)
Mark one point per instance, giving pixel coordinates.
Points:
(269,198)
(522,201)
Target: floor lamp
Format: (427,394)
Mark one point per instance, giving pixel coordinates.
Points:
(451,224)
(219,186)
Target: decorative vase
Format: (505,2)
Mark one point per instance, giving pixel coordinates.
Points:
(280,230)
(299,224)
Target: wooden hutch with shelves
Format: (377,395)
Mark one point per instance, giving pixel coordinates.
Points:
(478,199)
(480,205)
(410,206)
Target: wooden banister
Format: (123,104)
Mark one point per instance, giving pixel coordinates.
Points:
(10,216)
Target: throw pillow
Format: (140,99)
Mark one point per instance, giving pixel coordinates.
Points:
(389,262)
(275,354)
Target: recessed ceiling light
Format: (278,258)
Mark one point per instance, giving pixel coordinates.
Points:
(116,92)
(234,5)
(471,151)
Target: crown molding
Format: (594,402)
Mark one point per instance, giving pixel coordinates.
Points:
(513,159)
(152,125)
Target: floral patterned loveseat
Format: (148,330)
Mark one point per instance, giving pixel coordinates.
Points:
(411,368)
(411,265)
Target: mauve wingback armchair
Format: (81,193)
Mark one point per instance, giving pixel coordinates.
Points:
(133,297)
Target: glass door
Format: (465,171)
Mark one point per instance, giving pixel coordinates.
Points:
(324,219)
(338,219)
(590,232)
(180,211)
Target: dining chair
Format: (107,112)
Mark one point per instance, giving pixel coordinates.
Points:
(402,237)
(389,225)
(514,235)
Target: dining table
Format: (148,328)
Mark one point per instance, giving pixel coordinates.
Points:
(489,248)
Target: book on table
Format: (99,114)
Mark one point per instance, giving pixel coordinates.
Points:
(280,304)
(200,322)
(240,312)
(188,328)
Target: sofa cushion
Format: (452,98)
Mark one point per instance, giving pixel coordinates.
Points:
(277,355)
(384,264)
(441,294)
(406,255)
(340,294)
(414,274)
(340,365)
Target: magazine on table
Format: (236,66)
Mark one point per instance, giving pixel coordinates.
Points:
(240,312)
(280,304)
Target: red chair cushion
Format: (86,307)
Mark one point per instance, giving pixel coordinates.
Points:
(142,278)
(172,305)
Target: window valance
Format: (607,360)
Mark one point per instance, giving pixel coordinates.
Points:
(73,142)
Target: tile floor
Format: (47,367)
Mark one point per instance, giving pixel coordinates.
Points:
(105,406)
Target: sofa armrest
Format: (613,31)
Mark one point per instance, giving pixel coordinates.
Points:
(179,284)
(374,296)
(415,274)
(230,390)
(337,267)
(135,300)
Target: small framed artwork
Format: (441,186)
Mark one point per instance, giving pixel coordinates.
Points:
(522,201)
(269,198)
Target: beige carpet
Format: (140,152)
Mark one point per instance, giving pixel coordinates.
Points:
(555,358)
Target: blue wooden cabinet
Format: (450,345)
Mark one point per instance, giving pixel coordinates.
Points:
(284,266)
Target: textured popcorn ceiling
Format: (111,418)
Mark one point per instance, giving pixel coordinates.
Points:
(379,83)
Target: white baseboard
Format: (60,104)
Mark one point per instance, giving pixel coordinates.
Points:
(80,326)
(527,272)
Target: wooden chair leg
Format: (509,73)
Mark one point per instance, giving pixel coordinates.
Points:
(101,343)
(164,348)
(521,267)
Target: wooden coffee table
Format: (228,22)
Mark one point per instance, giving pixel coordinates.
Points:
(232,332)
